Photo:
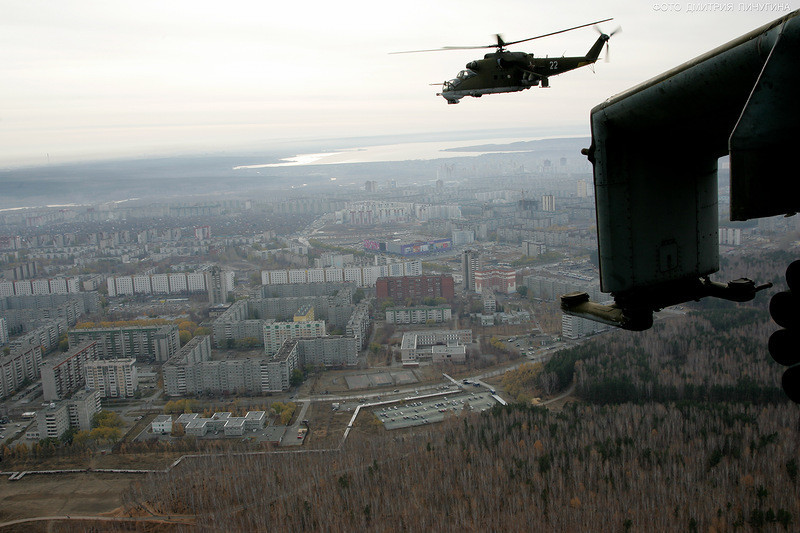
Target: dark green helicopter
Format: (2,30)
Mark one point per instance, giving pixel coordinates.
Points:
(502,71)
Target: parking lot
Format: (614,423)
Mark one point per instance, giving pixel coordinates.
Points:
(432,410)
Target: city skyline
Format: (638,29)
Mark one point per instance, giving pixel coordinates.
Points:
(87,81)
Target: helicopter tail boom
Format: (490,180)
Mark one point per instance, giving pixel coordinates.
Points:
(597,47)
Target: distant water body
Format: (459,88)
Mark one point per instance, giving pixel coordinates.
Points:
(401,152)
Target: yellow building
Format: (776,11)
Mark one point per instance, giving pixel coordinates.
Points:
(304,314)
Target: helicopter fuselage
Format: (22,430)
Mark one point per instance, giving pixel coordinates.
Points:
(505,72)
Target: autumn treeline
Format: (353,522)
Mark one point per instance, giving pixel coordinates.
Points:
(648,467)
(717,352)
(681,428)
(714,356)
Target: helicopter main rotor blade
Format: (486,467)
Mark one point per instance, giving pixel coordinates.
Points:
(557,32)
(500,44)
(444,48)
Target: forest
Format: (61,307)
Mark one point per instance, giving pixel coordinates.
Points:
(681,428)
(637,467)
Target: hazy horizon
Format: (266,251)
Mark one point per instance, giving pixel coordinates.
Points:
(87,81)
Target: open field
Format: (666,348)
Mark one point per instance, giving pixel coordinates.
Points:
(68,494)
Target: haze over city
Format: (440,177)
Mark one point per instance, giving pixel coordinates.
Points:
(86,80)
(255,275)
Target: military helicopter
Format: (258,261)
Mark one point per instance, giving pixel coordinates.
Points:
(503,71)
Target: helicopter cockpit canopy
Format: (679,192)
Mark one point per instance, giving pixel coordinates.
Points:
(461,76)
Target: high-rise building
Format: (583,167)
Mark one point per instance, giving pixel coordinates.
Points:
(415,288)
(112,378)
(219,283)
(158,343)
(470,262)
(66,373)
(548,203)
(275,333)
(583,189)
(21,365)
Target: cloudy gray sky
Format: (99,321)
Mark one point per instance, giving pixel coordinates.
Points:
(86,79)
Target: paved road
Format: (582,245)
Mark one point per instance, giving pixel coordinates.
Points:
(169,519)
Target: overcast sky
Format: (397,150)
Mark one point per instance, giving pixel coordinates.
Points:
(86,79)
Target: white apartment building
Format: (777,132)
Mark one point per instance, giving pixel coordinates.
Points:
(40,286)
(177,283)
(141,285)
(362,276)
(160,283)
(23,287)
(6,288)
(196,282)
(418,315)
(276,333)
(112,378)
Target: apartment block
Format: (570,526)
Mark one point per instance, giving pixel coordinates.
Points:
(500,278)
(362,276)
(276,333)
(22,364)
(112,378)
(415,288)
(418,315)
(66,373)
(143,343)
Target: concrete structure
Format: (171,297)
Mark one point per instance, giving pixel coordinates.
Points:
(219,284)
(112,378)
(82,406)
(548,203)
(359,324)
(463,237)
(304,314)
(470,262)
(437,346)
(730,236)
(21,365)
(499,278)
(533,248)
(230,426)
(193,372)
(418,315)
(24,313)
(53,420)
(415,288)
(275,333)
(573,327)
(162,424)
(143,343)
(362,276)
(76,412)
(173,283)
(66,373)
(331,351)
(551,287)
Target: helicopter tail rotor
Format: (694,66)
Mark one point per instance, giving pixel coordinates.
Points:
(607,37)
